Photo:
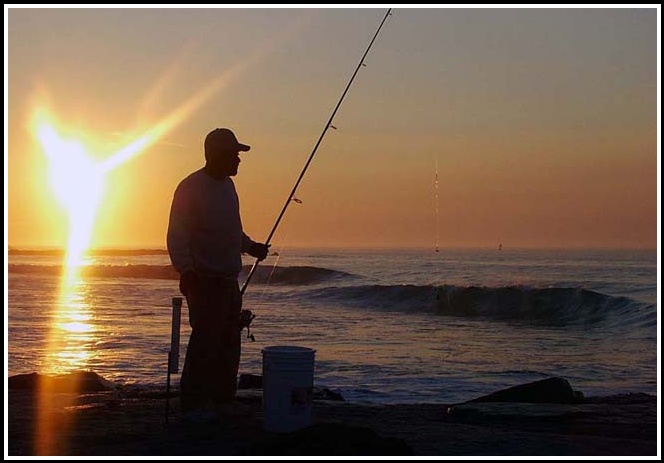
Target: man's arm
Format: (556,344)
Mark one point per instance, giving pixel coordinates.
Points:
(179,231)
(253,248)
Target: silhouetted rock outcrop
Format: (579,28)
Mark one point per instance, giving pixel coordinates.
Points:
(550,390)
(76,381)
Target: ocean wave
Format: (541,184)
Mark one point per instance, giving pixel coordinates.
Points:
(550,306)
(546,305)
(295,275)
(106,271)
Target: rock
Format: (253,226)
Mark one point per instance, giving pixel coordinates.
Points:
(550,390)
(27,381)
(323,393)
(75,381)
(249,381)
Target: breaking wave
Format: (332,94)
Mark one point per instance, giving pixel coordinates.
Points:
(550,306)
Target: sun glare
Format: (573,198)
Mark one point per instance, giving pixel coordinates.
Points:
(77,181)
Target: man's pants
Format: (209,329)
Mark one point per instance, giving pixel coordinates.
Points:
(213,353)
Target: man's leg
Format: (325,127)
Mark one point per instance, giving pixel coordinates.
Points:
(229,345)
(194,392)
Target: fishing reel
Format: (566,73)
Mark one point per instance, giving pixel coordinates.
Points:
(246,317)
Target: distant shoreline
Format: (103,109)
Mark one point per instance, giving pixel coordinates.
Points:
(52,251)
(92,252)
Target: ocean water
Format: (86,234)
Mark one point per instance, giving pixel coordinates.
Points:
(388,326)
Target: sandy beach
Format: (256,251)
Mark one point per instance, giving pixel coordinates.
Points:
(140,423)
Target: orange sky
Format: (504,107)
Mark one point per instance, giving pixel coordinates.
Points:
(543,123)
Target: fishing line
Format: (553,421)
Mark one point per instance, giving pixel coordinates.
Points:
(437,211)
(246,316)
(327,126)
(276,261)
(281,251)
(437,280)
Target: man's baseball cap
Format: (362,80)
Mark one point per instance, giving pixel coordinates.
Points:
(224,139)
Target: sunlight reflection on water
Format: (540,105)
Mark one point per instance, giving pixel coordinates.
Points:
(72,332)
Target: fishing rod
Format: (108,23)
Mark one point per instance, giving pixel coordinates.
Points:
(327,126)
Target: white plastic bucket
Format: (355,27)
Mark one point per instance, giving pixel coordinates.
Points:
(288,382)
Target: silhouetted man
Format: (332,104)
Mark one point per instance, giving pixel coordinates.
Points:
(205,241)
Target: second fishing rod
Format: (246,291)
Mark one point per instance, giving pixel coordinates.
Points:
(326,127)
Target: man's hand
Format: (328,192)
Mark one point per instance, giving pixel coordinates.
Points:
(259,250)
(188,281)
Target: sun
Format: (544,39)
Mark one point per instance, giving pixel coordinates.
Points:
(78,184)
